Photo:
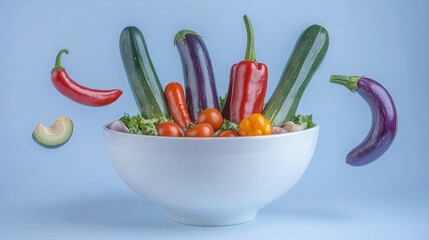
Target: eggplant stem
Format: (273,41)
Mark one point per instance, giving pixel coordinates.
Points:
(180,36)
(350,82)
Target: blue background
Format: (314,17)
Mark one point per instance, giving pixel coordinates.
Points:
(73,192)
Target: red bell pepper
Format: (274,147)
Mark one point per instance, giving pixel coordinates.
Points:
(78,93)
(247,84)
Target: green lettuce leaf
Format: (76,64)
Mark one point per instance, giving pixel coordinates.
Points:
(305,121)
(227,125)
(139,125)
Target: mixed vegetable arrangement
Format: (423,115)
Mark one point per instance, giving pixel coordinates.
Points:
(196,110)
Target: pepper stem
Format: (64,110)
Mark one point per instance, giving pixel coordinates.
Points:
(250,49)
(58,59)
(349,82)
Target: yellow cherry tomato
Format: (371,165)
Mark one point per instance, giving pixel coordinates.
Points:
(255,125)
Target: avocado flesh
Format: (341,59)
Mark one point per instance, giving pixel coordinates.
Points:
(55,135)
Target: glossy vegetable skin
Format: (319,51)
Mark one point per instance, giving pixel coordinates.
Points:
(227,133)
(211,116)
(255,125)
(142,77)
(78,93)
(384,119)
(248,84)
(198,73)
(177,103)
(306,57)
(200,130)
(169,129)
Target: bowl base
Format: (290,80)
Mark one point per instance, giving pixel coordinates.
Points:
(211,220)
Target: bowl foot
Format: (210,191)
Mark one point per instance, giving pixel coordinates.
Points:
(213,220)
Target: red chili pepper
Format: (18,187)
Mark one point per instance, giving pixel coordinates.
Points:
(247,84)
(78,93)
(176,100)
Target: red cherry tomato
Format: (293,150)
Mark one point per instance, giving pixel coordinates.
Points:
(227,133)
(200,130)
(169,129)
(211,116)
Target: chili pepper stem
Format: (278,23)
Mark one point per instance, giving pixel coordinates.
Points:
(349,82)
(250,49)
(58,59)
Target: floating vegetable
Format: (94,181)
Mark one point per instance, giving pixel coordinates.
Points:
(255,125)
(177,103)
(198,73)
(308,54)
(78,93)
(384,118)
(247,84)
(55,135)
(145,85)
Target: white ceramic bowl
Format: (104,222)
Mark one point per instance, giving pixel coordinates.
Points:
(211,181)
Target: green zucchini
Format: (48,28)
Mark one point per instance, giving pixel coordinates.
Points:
(147,90)
(308,54)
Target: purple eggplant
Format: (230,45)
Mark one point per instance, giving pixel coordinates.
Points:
(198,73)
(384,118)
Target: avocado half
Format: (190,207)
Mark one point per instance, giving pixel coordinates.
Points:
(55,135)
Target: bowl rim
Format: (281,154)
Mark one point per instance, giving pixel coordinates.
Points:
(110,131)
